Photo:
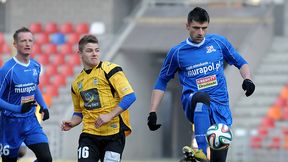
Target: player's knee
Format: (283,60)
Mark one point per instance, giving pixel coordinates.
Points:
(112,156)
(22,151)
(202,97)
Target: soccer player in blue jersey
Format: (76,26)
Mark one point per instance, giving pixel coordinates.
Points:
(199,62)
(19,94)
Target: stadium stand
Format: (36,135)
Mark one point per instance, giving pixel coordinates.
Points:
(51,27)
(36,27)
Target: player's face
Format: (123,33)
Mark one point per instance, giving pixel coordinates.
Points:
(24,44)
(197,31)
(90,55)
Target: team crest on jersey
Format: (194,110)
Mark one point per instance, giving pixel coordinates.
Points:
(95,81)
(35,72)
(210,49)
(80,86)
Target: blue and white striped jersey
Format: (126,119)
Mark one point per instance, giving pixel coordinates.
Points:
(201,66)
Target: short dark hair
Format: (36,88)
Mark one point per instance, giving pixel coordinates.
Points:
(85,40)
(21,30)
(198,14)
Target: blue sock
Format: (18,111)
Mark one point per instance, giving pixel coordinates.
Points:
(201,123)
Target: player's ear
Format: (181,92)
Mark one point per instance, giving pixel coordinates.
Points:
(14,43)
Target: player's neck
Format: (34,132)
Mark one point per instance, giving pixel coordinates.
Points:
(22,58)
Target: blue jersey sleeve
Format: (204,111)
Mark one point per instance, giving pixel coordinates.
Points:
(168,70)
(230,54)
(39,98)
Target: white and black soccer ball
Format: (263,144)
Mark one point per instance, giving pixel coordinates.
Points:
(219,136)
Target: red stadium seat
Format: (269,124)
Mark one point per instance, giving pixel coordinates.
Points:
(66,70)
(50,70)
(57,59)
(36,27)
(66,28)
(37,48)
(275,143)
(51,90)
(66,49)
(285,114)
(51,27)
(58,80)
(43,59)
(72,38)
(275,113)
(44,80)
(286,142)
(284,93)
(82,28)
(6,49)
(285,130)
(267,122)
(73,60)
(50,49)
(256,142)
(263,132)
(42,38)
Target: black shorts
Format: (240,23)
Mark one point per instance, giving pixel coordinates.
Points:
(92,147)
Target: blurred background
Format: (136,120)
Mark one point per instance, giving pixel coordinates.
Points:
(137,35)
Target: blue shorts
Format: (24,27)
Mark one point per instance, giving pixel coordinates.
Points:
(218,113)
(15,131)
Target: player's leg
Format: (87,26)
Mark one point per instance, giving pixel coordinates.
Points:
(198,113)
(22,150)
(89,148)
(36,140)
(220,114)
(10,138)
(41,151)
(201,100)
(114,148)
(218,155)
(8,159)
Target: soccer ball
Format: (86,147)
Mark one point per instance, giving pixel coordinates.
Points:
(219,136)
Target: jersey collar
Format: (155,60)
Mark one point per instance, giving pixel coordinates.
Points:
(188,41)
(21,63)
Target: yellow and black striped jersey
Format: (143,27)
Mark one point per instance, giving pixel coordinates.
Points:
(99,92)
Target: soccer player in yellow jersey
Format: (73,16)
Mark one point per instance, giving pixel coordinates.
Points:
(101,95)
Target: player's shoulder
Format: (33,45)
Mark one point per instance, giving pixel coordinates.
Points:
(34,62)
(108,66)
(9,64)
(79,77)
(179,45)
(216,37)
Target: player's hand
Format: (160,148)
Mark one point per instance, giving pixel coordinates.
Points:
(102,119)
(248,86)
(66,125)
(44,112)
(28,106)
(152,121)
